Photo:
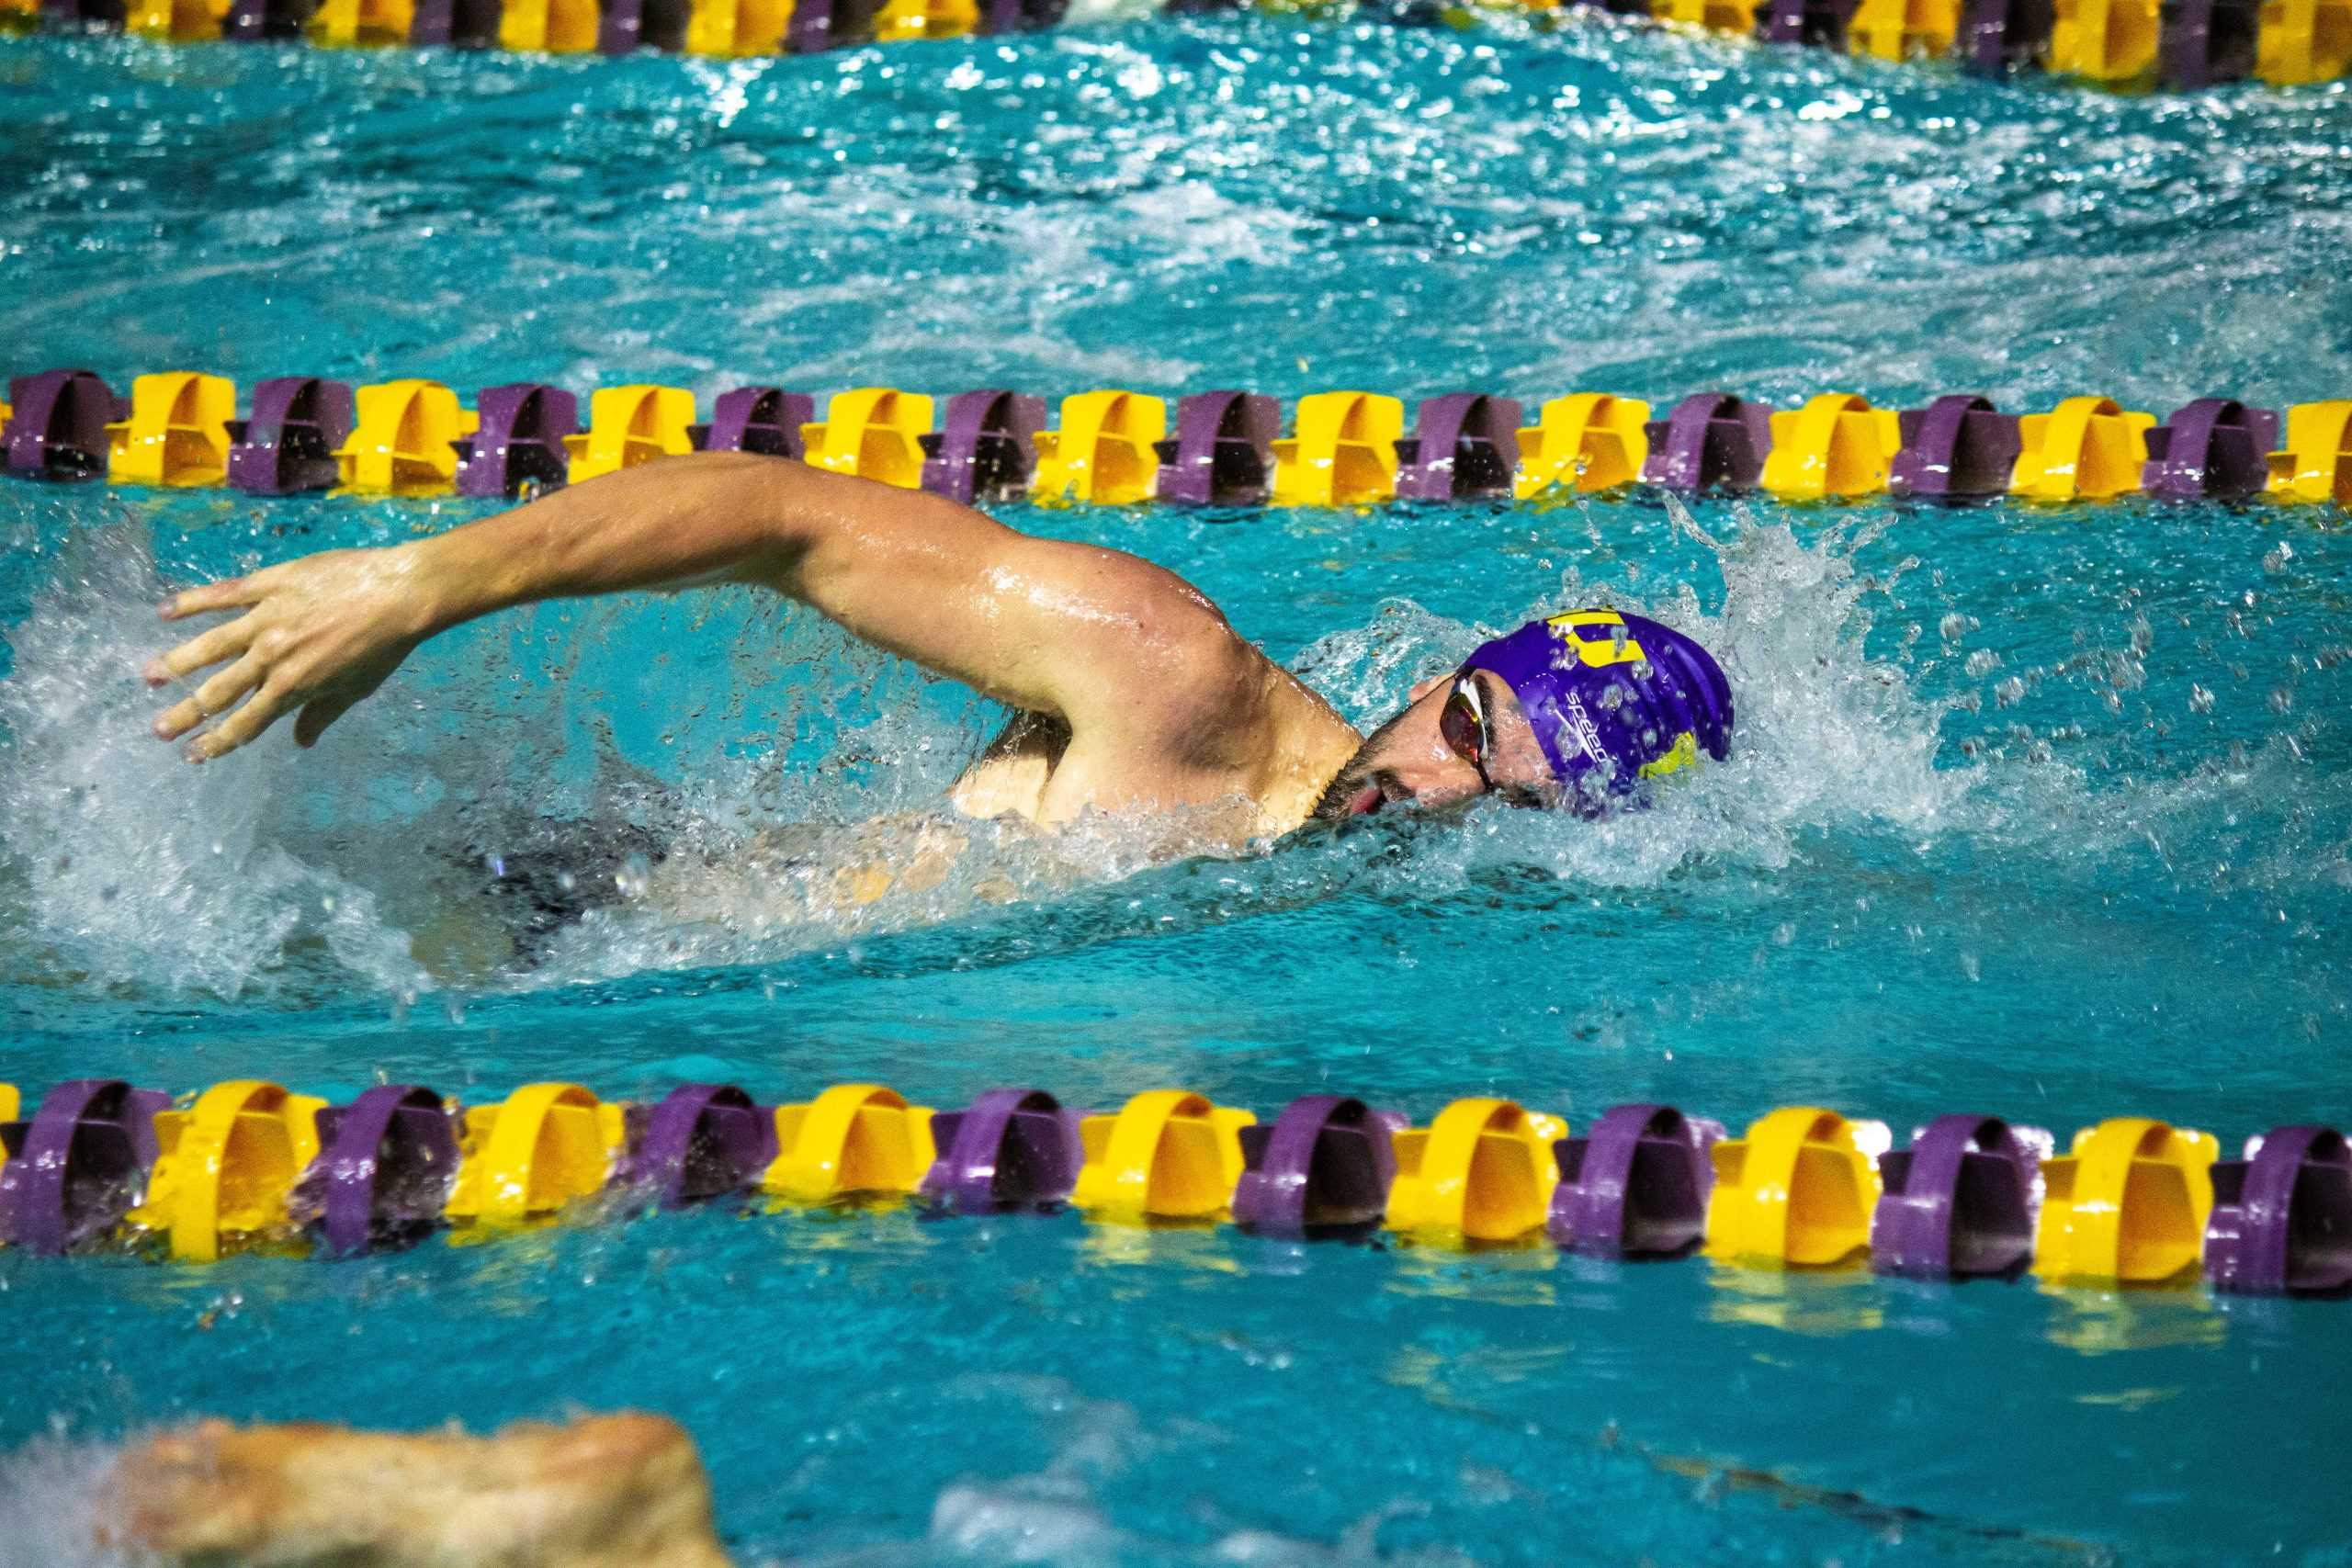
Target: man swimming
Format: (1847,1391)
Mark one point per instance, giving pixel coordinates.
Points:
(1131,691)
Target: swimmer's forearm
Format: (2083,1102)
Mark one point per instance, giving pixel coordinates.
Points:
(680,522)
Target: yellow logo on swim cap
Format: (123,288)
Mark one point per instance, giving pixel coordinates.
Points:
(1682,754)
(1603,652)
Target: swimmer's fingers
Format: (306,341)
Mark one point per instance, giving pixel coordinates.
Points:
(221,642)
(242,726)
(228,593)
(215,695)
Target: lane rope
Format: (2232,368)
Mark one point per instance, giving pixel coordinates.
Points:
(247,1165)
(180,428)
(2123,45)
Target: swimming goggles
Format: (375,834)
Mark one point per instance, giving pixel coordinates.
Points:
(1462,725)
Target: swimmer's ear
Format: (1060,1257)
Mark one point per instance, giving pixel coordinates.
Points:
(1423,688)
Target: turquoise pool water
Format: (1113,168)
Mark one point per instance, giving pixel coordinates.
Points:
(2046,814)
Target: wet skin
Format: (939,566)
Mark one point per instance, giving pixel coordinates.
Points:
(1151,701)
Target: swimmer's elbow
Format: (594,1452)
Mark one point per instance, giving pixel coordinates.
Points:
(781,506)
(862,551)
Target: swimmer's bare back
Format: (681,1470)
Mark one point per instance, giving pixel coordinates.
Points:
(1137,693)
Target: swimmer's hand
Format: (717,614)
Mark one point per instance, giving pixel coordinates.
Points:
(317,634)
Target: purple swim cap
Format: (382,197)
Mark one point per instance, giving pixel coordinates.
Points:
(1614,699)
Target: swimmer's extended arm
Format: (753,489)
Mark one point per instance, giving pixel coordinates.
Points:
(1096,637)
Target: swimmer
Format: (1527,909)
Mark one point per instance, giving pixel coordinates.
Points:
(1131,691)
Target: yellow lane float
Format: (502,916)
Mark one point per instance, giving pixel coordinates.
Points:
(1588,442)
(1714,16)
(2129,1203)
(902,19)
(2316,463)
(345,24)
(1798,1190)
(1105,451)
(172,21)
(1483,1171)
(2084,449)
(2303,41)
(225,1164)
(544,1146)
(403,441)
(1834,448)
(2111,43)
(855,1138)
(738,30)
(629,426)
(177,434)
(875,433)
(1344,453)
(1166,1154)
(548,27)
(1900,30)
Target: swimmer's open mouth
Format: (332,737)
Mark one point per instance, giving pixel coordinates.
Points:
(1384,788)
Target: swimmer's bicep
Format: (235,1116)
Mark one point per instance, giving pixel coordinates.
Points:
(911,573)
(1106,641)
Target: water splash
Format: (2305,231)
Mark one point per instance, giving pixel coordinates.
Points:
(132,868)
(1827,737)
(49,1491)
(476,824)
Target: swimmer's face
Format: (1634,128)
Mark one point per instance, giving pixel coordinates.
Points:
(1422,757)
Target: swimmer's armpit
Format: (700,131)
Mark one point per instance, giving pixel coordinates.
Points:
(623,1490)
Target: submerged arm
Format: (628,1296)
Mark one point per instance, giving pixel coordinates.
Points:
(1095,637)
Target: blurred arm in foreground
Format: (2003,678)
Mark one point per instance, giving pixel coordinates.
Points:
(624,1491)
